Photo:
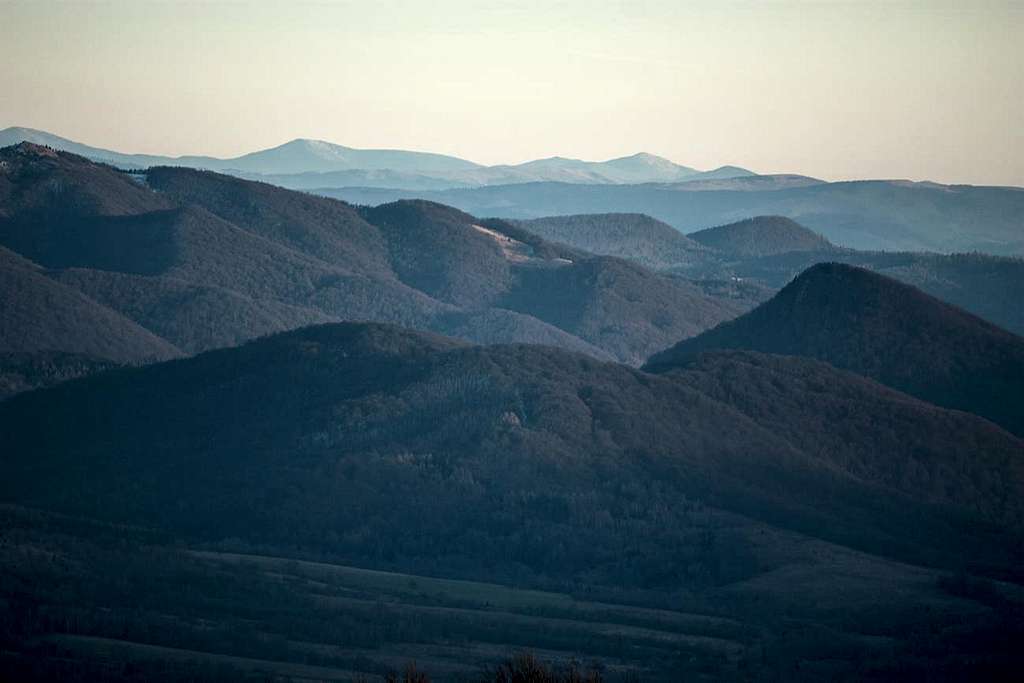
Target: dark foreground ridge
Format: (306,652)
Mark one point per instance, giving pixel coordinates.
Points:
(710,488)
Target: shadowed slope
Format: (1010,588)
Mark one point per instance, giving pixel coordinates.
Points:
(39,314)
(24,371)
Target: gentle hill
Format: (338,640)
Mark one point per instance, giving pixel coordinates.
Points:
(318,156)
(639,168)
(443,252)
(724,173)
(16,135)
(881,328)
(636,237)
(643,168)
(296,156)
(761,236)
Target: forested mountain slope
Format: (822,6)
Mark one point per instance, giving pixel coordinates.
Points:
(983,284)
(636,237)
(201,260)
(318,434)
(749,260)
(881,328)
(761,236)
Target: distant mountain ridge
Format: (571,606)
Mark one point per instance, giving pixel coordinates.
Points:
(310,164)
(298,156)
(868,214)
(891,215)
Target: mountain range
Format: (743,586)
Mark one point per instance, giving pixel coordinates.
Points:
(753,258)
(304,164)
(257,432)
(138,267)
(890,215)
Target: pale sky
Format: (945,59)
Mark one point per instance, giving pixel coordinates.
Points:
(922,90)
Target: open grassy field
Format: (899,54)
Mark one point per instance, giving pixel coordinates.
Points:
(99,598)
(396,587)
(112,650)
(86,601)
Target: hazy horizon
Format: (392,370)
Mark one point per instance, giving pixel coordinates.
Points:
(784,87)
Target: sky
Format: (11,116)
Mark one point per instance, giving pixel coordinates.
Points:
(918,90)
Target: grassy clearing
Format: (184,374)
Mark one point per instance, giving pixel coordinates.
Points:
(634,634)
(122,650)
(410,588)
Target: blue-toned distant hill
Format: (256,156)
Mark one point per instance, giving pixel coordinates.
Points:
(297,156)
(889,215)
(634,236)
(310,164)
(761,236)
